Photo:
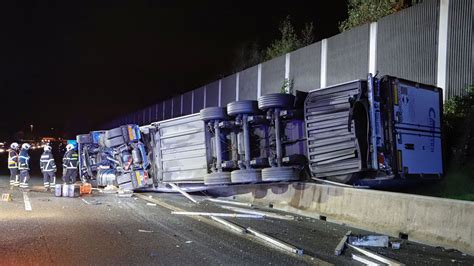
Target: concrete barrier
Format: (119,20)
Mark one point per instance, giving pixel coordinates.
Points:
(433,221)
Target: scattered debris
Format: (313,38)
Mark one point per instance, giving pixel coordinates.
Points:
(245,204)
(150,204)
(92,202)
(262,213)
(188,242)
(229,224)
(376,256)
(85,188)
(366,260)
(109,189)
(144,231)
(7,197)
(395,245)
(153,254)
(369,241)
(342,244)
(233,215)
(184,193)
(125,193)
(275,242)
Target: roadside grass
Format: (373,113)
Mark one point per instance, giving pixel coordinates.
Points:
(458,183)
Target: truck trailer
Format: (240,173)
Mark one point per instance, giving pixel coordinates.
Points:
(378,132)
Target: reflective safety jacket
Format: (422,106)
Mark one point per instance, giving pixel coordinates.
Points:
(12,159)
(47,163)
(70,160)
(24,160)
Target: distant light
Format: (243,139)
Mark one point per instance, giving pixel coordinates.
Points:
(2,150)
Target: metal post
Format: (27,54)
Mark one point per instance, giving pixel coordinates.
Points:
(217,138)
(277,136)
(245,127)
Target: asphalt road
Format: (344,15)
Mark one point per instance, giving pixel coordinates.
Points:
(118,231)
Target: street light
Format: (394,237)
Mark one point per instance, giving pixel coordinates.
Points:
(31,126)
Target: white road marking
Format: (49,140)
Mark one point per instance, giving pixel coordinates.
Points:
(27,202)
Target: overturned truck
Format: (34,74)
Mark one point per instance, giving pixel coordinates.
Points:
(379,132)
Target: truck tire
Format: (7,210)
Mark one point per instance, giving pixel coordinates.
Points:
(242,107)
(279,174)
(214,113)
(113,133)
(246,176)
(217,178)
(112,143)
(276,100)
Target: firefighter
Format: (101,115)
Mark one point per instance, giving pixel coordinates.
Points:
(24,166)
(48,168)
(13,164)
(70,162)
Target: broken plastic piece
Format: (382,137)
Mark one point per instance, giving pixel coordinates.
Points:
(228,224)
(376,256)
(230,202)
(342,244)
(262,213)
(395,245)
(184,193)
(275,242)
(369,241)
(366,260)
(234,215)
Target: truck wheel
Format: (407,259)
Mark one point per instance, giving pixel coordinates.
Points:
(217,178)
(113,133)
(279,174)
(213,113)
(242,107)
(246,176)
(112,143)
(276,100)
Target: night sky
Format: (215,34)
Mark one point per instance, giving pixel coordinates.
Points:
(72,67)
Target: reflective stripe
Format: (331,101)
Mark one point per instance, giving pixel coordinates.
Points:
(24,157)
